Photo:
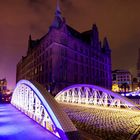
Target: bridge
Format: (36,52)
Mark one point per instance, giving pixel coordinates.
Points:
(40,108)
(94,95)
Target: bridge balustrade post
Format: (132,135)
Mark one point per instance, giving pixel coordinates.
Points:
(42,115)
(118,103)
(76,95)
(87,96)
(112,103)
(17,92)
(20,101)
(31,102)
(105,99)
(82,95)
(47,122)
(64,96)
(37,108)
(101,101)
(79,96)
(25,94)
(17,97)
(26,99)
(73,96)
(95,97)
(68,97)
(23,97)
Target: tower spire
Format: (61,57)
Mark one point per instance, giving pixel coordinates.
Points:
(58,19)
(58,7)
(106,45)
(58,11)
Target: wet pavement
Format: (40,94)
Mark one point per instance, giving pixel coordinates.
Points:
(14,125)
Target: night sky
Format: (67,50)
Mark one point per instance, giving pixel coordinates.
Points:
(119,20)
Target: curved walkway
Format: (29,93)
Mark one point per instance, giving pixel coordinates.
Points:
(14,125)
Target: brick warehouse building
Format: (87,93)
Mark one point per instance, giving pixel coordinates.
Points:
(65,57)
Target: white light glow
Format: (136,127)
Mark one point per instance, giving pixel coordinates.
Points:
(93,95)
(27,98)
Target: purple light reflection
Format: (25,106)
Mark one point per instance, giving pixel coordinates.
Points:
(17,126)
(7,130)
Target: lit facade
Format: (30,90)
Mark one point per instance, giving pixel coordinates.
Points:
(121,81)
(5,94)
(3,86)
(64,57)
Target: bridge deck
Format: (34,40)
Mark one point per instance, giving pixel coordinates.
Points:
(14,125)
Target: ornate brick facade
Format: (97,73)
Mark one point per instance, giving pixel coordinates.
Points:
(65,57)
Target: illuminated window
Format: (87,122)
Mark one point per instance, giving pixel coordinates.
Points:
(35,70)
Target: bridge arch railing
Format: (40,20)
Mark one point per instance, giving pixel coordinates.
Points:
(94,95)
(32,99)
(134,93)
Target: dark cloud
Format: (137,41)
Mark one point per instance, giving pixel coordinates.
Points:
(67,3)
(36,2)
(126,55)
(39,5)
